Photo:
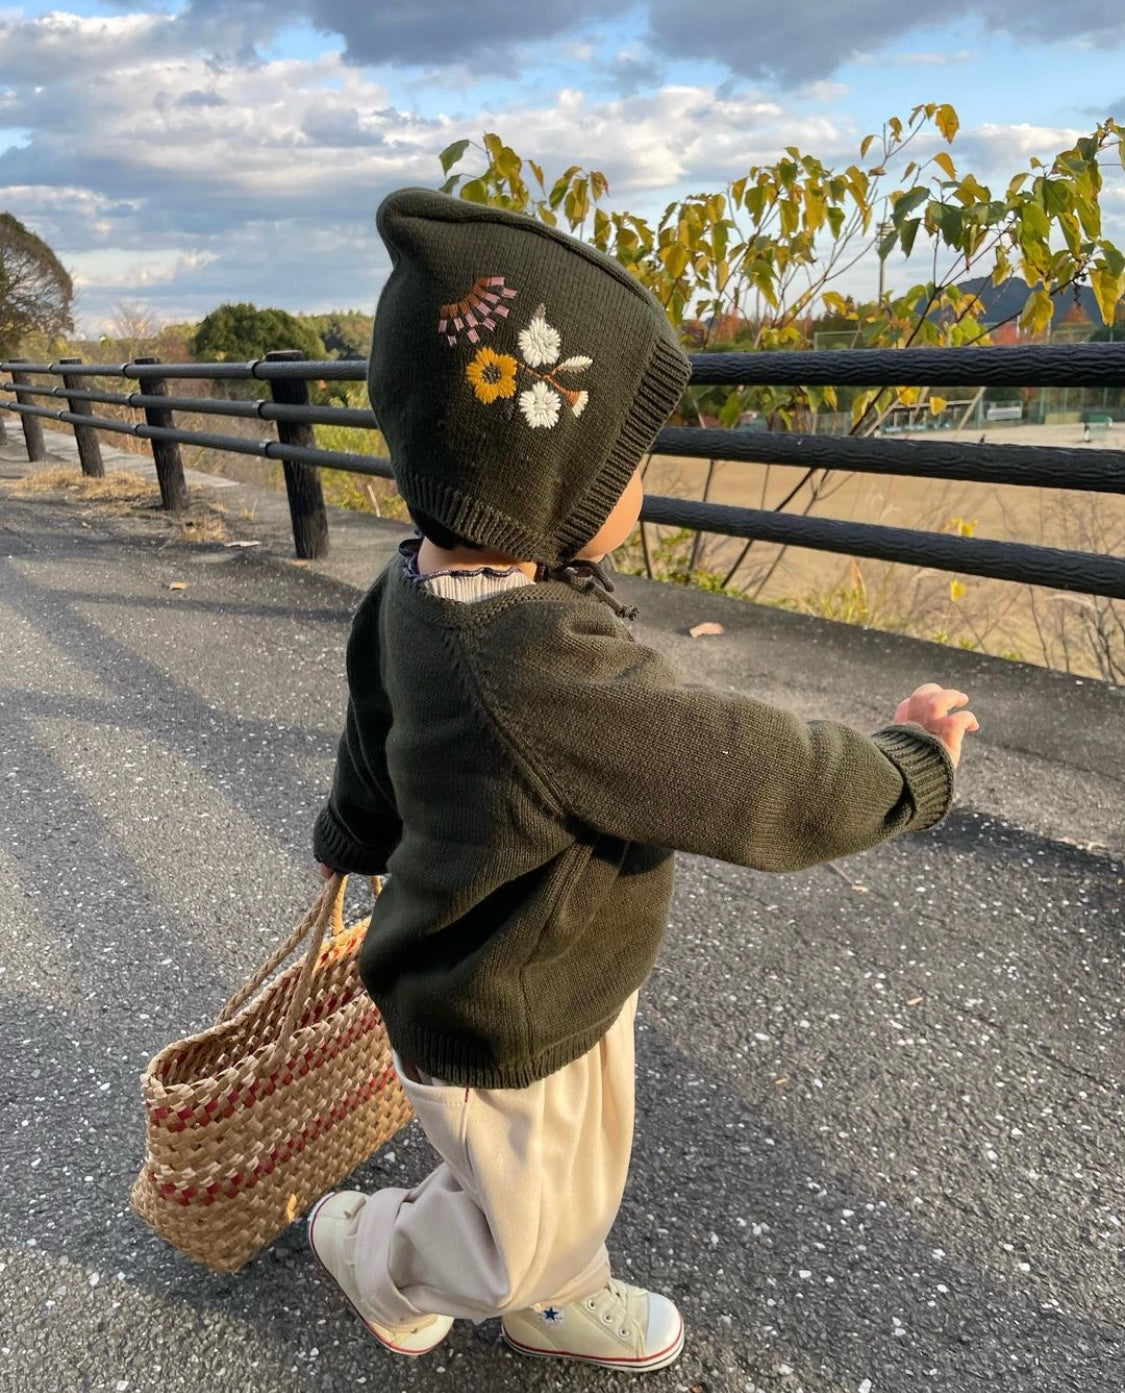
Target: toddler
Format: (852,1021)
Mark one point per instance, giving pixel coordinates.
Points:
(524,770)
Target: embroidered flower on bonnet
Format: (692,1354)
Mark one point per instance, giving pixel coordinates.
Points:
(495,376)
(477,312)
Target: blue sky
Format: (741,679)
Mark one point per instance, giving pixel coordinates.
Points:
(198,151)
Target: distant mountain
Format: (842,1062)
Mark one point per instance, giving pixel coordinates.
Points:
(1002,301)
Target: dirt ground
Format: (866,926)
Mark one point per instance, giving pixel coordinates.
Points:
(1033,623)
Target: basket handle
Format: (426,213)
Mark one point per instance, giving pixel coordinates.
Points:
(328,907)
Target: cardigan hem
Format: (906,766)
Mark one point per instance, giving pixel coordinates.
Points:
(457,1063)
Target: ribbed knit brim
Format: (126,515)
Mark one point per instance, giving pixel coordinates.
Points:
(518,375)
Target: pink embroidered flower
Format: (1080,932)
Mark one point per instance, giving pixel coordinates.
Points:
(540,405)
(478,312)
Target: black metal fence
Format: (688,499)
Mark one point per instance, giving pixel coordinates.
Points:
(290,407)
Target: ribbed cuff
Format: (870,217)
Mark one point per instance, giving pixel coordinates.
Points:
(925,765)
(333,847)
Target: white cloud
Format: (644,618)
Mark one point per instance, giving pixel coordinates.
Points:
(39,50)
(825,91)
(999,151)
(264,186)
(916,60)
(182,181)
(125,270)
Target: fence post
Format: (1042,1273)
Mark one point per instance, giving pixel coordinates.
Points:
(165,453)
(32,425)
(89,446)
(302,481)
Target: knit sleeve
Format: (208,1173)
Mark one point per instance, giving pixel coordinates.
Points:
(616,741)
(360,826)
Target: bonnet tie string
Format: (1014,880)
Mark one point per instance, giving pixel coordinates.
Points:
(589,578)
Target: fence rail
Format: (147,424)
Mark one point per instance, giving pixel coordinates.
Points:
(294,415)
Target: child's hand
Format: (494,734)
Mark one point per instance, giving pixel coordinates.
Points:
(930,707)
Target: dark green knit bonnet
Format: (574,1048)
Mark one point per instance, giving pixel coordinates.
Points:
(518,375)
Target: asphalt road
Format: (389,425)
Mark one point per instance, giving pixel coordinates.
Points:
(880,1142)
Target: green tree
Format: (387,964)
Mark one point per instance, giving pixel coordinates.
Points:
(767,249)
(345,333)
(765,252)
(241,333)
(36,294)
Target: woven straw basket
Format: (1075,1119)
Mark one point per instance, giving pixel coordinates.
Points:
(251,1121)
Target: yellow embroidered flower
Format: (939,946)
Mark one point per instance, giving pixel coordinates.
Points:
(492,375)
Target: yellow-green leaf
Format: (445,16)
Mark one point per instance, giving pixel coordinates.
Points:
(905,203)
(1072,232)
(451,154)
(814,210)
(908,234)
(861,403)
(509,164)
(1034,224)
(956,590)
(948,122)
(756,201)
(1038,312)
(1114,259)
(945,163)
(937,405)
(674,257)
(790,218)
(1089,215)
(1107,291)
(577,203)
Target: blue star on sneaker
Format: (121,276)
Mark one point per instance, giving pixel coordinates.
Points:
(552,1315)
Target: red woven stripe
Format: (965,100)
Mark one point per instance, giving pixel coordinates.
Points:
(296,1066)
(282,1153)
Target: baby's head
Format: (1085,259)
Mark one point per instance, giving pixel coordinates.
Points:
(518,376)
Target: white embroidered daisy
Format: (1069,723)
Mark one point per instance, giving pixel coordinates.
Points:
(540,405)
(540,342)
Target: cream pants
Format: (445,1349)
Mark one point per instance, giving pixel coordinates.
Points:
(518,1211)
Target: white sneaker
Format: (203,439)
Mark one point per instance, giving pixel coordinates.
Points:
(619,1327)
(331,1223)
